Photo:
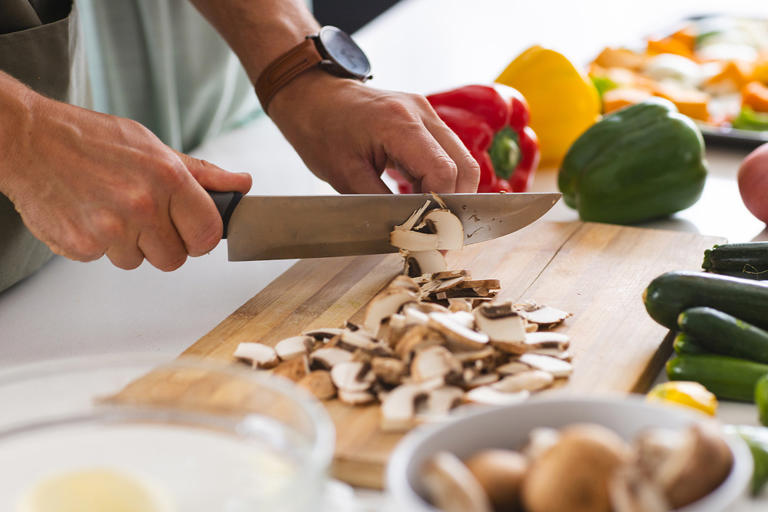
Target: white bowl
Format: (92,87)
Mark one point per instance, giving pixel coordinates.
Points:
(508,427)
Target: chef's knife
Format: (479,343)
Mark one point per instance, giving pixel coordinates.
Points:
(280,227)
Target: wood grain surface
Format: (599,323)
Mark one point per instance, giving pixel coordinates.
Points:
(595,271)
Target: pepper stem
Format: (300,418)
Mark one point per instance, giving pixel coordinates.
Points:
(505,152)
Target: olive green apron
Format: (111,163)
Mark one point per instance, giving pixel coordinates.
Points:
(38,46)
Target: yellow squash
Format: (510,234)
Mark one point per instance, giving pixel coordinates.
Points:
(563,102)
(684,393)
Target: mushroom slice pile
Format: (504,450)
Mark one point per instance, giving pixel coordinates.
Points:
(431,339)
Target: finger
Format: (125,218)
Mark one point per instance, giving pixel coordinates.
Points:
(163,247)
(193,214)
(126,256)
(360,180)
(212,177)
(467,169)
(420,155)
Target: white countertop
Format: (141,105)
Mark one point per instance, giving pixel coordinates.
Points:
(76,309)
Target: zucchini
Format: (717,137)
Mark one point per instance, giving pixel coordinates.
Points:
(748,260)
(685,344)
(761,399)
(722,333)
(672,293)
(727,377)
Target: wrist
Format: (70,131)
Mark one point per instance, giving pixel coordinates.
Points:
(310,86)
(18,103)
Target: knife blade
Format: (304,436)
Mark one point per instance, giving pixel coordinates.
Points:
(282,227)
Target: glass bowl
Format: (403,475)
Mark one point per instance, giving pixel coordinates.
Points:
(196,435)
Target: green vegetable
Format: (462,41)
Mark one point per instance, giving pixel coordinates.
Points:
(722,333)
(672,293)
(727,377)
(603,84)
(748,260)
(685,344)
(757,440)
(748,119)
(761,399)
(638,163)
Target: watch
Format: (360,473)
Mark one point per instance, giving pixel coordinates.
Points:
(331,49)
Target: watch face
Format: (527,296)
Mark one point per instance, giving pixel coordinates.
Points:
(341,49)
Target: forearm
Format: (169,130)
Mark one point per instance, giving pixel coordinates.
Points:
(16,103)
(259,30)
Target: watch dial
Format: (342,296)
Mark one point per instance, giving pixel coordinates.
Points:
(344,51)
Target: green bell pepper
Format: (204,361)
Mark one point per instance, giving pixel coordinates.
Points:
(639,163)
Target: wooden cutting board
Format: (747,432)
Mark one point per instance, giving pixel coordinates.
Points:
(595,271)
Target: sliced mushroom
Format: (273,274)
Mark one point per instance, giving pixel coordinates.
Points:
(459,304)
(354,340)
(483,379)
(464,318)
(424,262)
(417,338)
(411,221)
(324,334)
(448,228)
(532,380)
(450,274)
(544,316)
(414,316)
(386,304)
(439,402)
(294,346)
(506,331)
(557,367)
(404,282)
(486,284)
(487,395)
(563,355)
(356,397)
(439,285)
(413,241)
(535,341)
(458,336)
(434,362)
(512,368)
(319,383)
(258,354)
(352,376)
(294,369)
(327,358)
(398,408)
(451,486)
(388,370)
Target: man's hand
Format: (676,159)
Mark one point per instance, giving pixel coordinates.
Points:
(89,184)
(347,133)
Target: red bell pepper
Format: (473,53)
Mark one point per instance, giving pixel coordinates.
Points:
(492,122)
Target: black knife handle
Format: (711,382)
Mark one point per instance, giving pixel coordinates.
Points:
(225,202)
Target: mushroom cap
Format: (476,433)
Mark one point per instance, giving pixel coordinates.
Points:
(500,473)
(574,474)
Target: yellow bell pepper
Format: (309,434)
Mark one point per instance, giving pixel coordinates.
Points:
(684,393)
(563,102)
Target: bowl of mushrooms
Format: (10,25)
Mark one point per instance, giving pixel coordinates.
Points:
(572,454)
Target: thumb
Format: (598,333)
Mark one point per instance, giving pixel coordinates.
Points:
(212,177)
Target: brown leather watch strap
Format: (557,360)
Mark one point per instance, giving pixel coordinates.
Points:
(284,69)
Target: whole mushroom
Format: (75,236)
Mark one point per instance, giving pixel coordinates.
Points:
(573,475)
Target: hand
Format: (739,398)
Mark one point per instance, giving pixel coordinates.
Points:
(89,184)
(348,133)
